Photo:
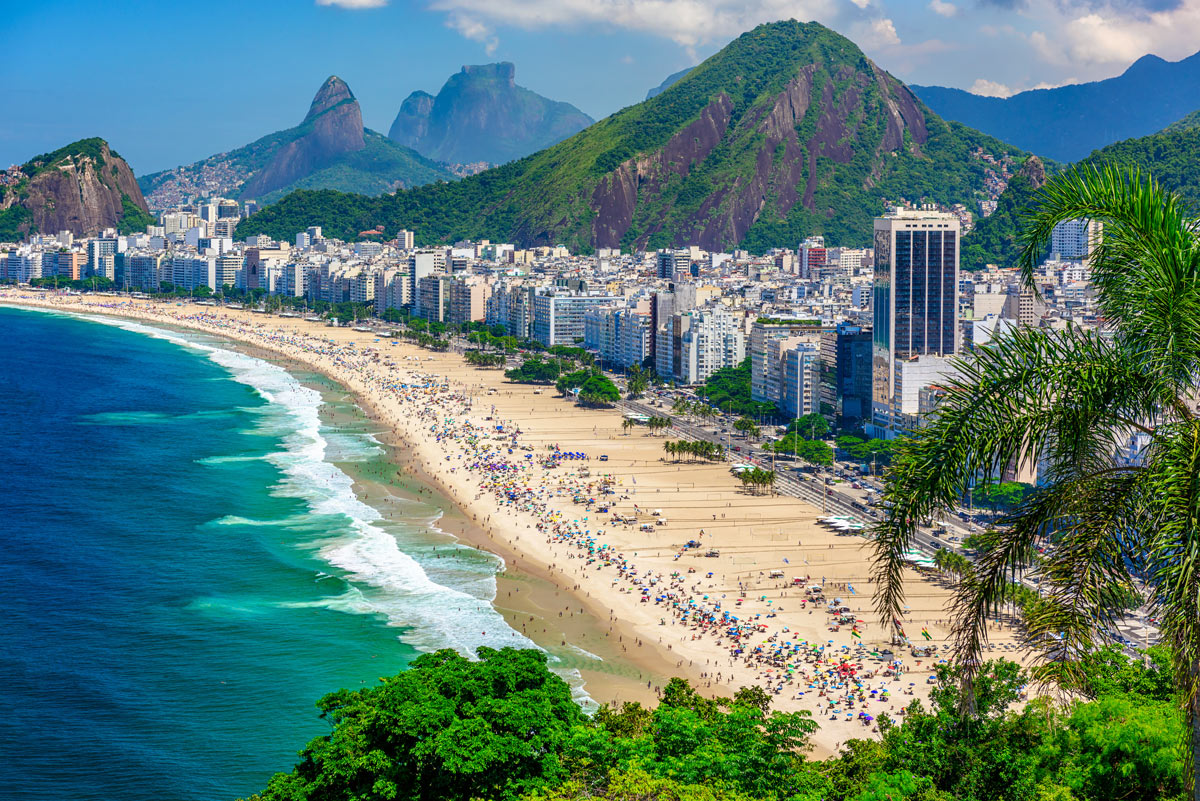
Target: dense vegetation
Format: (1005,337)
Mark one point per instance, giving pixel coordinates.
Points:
(994,239)
(544,198)
(728,389)
(505,728)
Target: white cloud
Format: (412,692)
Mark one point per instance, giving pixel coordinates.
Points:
(876,34)
(686,22)
(986,88)
(862,4)
(472,28)
(353,4)
(942,8)
(1108,34)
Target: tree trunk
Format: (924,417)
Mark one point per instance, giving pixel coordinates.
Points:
(1194,722)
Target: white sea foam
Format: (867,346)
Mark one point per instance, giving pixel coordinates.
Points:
(384,579)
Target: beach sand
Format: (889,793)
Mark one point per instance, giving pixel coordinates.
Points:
(581,579)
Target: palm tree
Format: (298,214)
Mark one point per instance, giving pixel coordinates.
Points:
(1074,400)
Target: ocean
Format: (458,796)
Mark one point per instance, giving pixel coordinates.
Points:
(187,565)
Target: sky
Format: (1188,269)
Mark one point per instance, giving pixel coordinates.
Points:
(170,83)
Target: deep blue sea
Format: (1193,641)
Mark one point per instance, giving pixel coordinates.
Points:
(187,569)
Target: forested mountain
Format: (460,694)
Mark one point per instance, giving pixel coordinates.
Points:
(83,188)
(1172,156)
(788,131)
(481,114)
(994,239)
(1069,122)
(329,149)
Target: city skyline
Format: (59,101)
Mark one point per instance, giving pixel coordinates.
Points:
(270,57)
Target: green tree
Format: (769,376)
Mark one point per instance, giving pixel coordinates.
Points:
(446,728)
(810,426)
(1068,397)
(637,381)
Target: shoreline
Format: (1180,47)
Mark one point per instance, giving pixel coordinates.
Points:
(769,632)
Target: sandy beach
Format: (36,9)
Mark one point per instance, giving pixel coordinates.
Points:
(594,524)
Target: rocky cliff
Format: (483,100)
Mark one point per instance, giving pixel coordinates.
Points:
(83,188)
(787,132)
(481,114)
(329,149)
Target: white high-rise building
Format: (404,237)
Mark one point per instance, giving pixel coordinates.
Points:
(1072,240)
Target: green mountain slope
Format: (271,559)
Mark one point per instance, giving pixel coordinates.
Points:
(329,149)
(994,239)
(788,131)
(1185,124)
(1172,156)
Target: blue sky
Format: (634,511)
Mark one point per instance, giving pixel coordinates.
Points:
(170,83)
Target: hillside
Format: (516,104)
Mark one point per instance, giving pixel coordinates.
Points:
(788,131)
(994,239)
(1184,124)
(481,115)
(670,80)
(329,149)
(83,188)
(1069,122)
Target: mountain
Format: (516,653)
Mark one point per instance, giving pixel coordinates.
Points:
(83,188)
(670,79)
(788,131)
(1172,156)
(481,114)
(1069,122)
(994,238)
(329,149)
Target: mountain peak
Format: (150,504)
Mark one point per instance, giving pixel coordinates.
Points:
(331,93)
(504,71)
(480,114)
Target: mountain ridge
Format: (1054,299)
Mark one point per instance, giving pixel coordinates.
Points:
(330,148)
(788,131)
(1067,123)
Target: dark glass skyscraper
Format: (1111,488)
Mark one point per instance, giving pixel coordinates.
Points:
(915,301)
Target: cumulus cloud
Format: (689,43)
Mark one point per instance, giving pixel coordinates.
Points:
(986,88)
(878,33)
(942,8)
(353,4)
(687,22)
(1117,32)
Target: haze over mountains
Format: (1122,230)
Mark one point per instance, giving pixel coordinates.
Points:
(482,115)
(788,131)
(329,149)
(1069,122)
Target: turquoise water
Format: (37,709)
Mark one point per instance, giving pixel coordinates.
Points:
(187,567)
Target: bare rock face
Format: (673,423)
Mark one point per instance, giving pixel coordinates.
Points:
(1035,171)
(482,115)
(412,123)
(333,126)
(789,160)
(83,188)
